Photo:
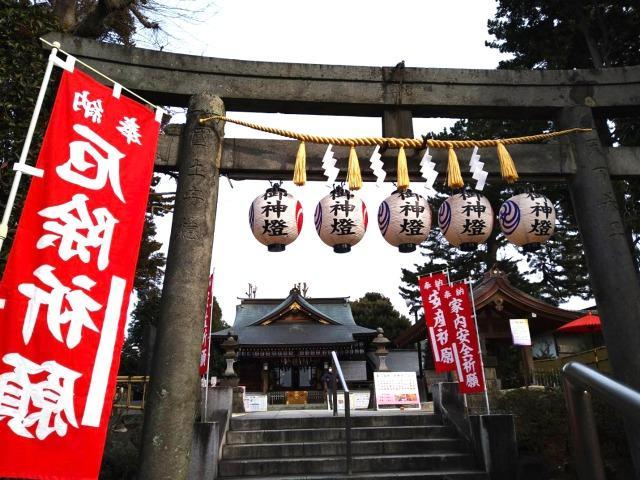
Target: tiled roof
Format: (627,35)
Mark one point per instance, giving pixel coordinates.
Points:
(296,334)
(335,323)
(252,310)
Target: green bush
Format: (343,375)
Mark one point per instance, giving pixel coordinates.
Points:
(542,430)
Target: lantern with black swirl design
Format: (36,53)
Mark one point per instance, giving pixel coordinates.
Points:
(404,219)
(466,220)
(275,218)
(527,220)
(341,219)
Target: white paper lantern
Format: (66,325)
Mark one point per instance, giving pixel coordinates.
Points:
(527,220)
(275,218)
(404,219)
(466,220)
(341,220)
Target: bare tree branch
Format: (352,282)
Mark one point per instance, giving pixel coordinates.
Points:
(92,25)
(142,19)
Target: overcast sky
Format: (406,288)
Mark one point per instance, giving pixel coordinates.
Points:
(449,34)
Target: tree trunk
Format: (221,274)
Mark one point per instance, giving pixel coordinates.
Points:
(65,12)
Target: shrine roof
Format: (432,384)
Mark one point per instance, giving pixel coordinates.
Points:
(296,334)
(251,311)
(316,321)
(495,293)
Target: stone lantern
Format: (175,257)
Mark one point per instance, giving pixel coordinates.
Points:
(230,345)
(381,342)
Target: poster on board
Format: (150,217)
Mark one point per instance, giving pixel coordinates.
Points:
(396,390)
(358,400)
(520,331)
(255,402)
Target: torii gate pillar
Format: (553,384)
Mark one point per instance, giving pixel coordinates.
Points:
(613,277)
(175,384)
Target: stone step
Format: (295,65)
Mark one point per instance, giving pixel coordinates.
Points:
(443,462)
(281,423)
(325,449)
(453,475)
(310,435)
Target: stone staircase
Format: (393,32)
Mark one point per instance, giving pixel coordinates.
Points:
(389,445)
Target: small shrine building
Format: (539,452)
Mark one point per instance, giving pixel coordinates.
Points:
(285,344)
(497,301)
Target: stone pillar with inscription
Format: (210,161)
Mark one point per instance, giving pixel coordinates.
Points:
(175,384)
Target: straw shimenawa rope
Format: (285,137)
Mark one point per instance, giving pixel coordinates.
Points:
(454,179)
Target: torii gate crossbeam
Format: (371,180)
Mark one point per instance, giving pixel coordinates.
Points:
(571,98)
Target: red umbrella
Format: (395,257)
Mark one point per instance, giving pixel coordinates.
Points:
(586,324)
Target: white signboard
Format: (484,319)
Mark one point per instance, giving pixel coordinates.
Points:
(354,370)
(396,389)
(520,331)
(358,400)
(255,402)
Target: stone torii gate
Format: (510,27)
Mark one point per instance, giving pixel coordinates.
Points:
(571,98)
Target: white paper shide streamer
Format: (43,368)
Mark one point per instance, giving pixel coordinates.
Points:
(476,167)
(377,166)
(329,166)
(428,172)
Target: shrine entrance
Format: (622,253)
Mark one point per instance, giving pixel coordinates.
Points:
(575,98)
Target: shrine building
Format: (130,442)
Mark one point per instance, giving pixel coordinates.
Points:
(496,302)
(284,345)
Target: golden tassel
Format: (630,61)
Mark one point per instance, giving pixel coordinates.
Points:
(507,167)
(300,169)
(454,177)
(403,172)
(354,179)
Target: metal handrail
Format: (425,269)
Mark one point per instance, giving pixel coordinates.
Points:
(347,407)
(579,380)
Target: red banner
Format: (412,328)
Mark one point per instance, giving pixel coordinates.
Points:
(66,288)
(206,331)
(430,289)
(466,348)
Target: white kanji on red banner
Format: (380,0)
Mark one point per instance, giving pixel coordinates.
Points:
(77,230)
(92,108)
(104,160)
(431,288)
(66,285)
(465,346)
(129,128)
(28,401)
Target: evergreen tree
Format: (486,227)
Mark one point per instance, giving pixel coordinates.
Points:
(374,310)
(554,273)
(577,34)
(22,65)
(539,34)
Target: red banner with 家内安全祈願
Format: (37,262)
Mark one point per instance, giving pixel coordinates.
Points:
(459,313)
(68,279)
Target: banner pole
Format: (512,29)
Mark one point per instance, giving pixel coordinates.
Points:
(4,225)
(475,319)
(207,376)
(431,274)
